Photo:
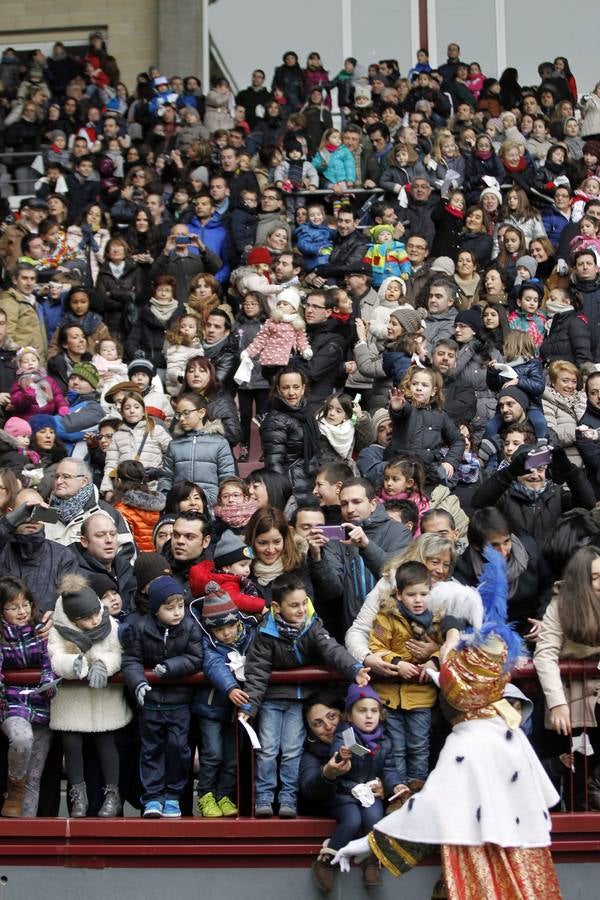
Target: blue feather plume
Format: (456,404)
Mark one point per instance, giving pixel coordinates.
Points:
(493,588)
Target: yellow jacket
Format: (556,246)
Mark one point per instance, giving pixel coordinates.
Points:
(390,632)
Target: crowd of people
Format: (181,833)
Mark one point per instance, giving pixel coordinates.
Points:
(406,308)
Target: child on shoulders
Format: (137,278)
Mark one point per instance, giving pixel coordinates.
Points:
(230,569)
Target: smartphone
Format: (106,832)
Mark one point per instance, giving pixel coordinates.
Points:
(536,458)
(182,239)
(333,532)
(44,514)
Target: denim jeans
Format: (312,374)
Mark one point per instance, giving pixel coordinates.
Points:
(280,728)
(535,416)
(218,762)
(354,821)
(409,732)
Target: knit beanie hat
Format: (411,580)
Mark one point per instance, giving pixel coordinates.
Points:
(231,549)
(57,133)
(149,566)
(78,604)
(356,693)
(377,230)
(289,295)
(259,255)
(472,318)
(592,147)
(291,143)
(17,427)
(443,264)
(140,365)
(409,318)
(41,420)
(516,394)
(88,372)
(362,92)
(532,284)
(494,191)
(379,417)
(167,519)
(529,263)
(218,608)
(101,582)
(161,589)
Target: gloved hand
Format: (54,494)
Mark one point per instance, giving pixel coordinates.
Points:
(19,515)
(78,666)
(561,465)
(562,267)
(141,691)
(307,354)
(354,848)
(97,676)
(517,463)
(160,670)
(489,447)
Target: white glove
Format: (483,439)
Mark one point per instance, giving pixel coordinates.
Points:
(141,691)
(307,354)
(345,854)
(562,179)
(432,165)
(562,267)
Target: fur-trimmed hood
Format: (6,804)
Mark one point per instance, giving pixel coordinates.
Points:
(149,500)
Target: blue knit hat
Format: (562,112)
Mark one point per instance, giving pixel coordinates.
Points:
(41,421)
(161,589)
(356,693)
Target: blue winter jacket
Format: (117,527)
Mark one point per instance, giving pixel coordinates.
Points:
(339,167)
(530,376)
(312,242)
(554,222)
(214,236)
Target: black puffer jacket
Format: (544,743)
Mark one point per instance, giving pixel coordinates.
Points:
(569,338)
(222,406)
(225,357)
(588,295)
(118,297)
(282,437)
(325,371)
(179,649)
(148,334)
(590,450)
(423,432)
(41,563)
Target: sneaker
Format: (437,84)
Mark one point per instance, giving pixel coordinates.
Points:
(287,812)
(171,810)
(153,809)
(207,806)
(263,811)
(227,806)
(244,453)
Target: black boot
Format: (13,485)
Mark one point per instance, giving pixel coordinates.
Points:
(112,805)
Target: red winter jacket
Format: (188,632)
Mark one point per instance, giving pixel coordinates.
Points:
(203,572)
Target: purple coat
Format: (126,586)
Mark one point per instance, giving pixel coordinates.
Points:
(22,648)
(24,404)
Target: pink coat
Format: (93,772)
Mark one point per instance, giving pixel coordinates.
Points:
(24,404)
(275,342)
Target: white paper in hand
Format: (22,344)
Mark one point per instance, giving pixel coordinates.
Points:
(582,744)
(40,689)
(350,743)
(251,733)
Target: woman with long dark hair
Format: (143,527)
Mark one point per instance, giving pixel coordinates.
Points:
(200,378)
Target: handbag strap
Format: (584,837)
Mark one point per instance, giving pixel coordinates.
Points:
(143,441)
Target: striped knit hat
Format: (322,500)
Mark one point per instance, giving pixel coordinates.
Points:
(218,608)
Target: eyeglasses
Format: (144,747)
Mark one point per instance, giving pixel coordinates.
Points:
(184,414)
(25,606)
(313,306)
(234,495)
(65,477)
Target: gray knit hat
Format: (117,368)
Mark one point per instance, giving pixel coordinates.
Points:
(444,265)
(409,318)
(529,263)
(79,604)
(231,549)
(379,417)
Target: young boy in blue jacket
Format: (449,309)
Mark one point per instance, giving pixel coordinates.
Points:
(291,635)
(227,635)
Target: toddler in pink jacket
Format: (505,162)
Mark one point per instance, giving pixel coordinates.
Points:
(35,391)
(281,335)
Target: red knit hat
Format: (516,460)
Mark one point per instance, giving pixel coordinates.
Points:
(259,255)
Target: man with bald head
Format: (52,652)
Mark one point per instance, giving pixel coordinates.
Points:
(105,564)
(26,552)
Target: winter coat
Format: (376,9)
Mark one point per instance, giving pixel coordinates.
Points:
(224,355)
(314,243)
(591,115)
(85,709)
(185,268)
(440,177)
(23,322)
(245,330)
(203,572)
(277,341)
(460,400)
(396,364)
(325,369)
(589,449)
(176,359)
(369,360)
(290,80)
(563,420)
(60,367)
(390,632)
(569,338)
(309,177)
(142,510)
(126,443)
(347,253)
(42,563)
(222,407)
(70,532)
(581,695)
(85,412)
(475,169)
(534,518)
(448,228)
(242,223)
(387,260)
(147,336)
(471,370)
(378,764)
(118,298)
(554,221)
(211,701)
(335,165)
(24,404)
(148,644)
(417,219)
(282,437)
(530,377)
(314,787)
(588,293)
(22,648)
(439,326)
(201,456)
(272,650)
(423,432)
(479,244)
(217,111)
(213,235)
(394,176)
(345,574)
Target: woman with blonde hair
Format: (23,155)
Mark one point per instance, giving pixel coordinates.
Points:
(564,403)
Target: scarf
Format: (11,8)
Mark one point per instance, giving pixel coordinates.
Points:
(369,739)
(529,493)
(520,166)
(484,154)
(287,629)
(117,270)
(331,148)
(341,437)
(72,506)
(557,308)
(569,402)
(457,213)
(162,311)
(423,619)
(516,564)
(264,573)
(341,317)
(296,168)
(236,516)
(310,431)
(468,285)
(29,545)
(554,167)
(86,639)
